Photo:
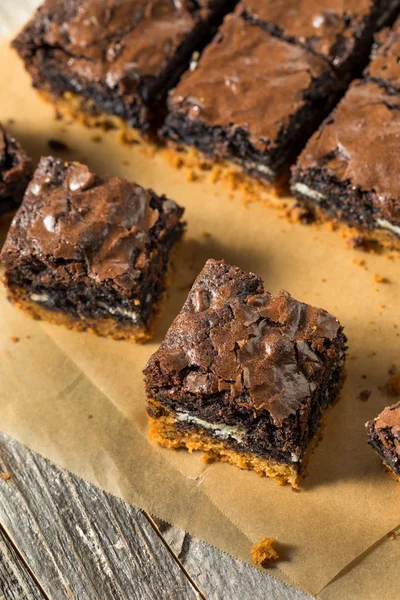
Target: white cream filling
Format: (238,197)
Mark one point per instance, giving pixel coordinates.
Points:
(133,315)
(306,191)
(222,431)
(387,225)
(258,167)
(42,298)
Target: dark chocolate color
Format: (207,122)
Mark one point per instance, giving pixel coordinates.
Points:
(239,356)
(15,170)
(91,242)
(253,98)
(120,54)
(338,30)
(384,68)
(353,160)
(383,435)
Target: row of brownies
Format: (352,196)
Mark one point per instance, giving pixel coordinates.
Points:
(241,374)
(250,98)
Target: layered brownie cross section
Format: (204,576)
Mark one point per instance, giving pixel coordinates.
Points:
(349,169)
(245,375)
(383,435)
(115,58)
(90,252)
(15,171)
(271,75)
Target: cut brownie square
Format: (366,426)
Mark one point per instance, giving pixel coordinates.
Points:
(383,435)
(252,100)
(15,171)
(244,375)
(384,68)
(90,252)
(349,169)
(115,57)
(341,32)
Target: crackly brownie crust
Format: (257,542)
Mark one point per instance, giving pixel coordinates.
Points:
(349,168)
(383,434)
(341,32)
(15,170)
(89,249)
(384,67)
(247,369)
(120,55)
(240,106)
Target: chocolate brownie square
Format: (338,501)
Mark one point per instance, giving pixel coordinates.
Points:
(115,57)
(349,169)
(383,435)
(15,171)
(384,68)
(244,375)
(252,100)
(341,32)
(90,252)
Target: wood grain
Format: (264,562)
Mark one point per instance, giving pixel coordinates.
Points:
(80,542)
(16,582)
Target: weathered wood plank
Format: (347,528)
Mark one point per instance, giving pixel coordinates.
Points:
(80,542)
(222,577)
(16,583)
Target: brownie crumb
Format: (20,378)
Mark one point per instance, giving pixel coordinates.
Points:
(90,417)
(361,243)
(364,395)
(57,145)
(392,387)
(380,279)
(5,476)
(14,339)
(392,535)
(96,138)
(263,552)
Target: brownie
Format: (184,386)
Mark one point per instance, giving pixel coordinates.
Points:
(253,99)
(341,32)
(90,252)
(348,170)
(245,375)
(383,435)
(15,171)
(384,68)
(116,57)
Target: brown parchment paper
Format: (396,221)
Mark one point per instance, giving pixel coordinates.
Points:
(53,379)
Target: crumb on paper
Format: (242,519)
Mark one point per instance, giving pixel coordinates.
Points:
(57,145)
(380,278)
(361,243)
(392,387)
(263,552)
(371,354)
(392,370)
(90,417)
(5,476)
(14,339)
(364,395)
(392,535)
(205,234)
(360,262)
(96,138)
(208,458)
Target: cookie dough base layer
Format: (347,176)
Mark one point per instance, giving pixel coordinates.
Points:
(102,327)
(71,105)
(165,431)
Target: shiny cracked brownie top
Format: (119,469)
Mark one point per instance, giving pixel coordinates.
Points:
(82,226)
(328,27)
(117,42)
(249,79)
(359,144)
(263,352)
(385,66)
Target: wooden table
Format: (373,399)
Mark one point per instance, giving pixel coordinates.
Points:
(62,538)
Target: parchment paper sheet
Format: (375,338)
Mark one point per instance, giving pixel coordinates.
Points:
(51,382)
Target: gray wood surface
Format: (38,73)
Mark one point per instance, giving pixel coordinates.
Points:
(81,543)
(61,538)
